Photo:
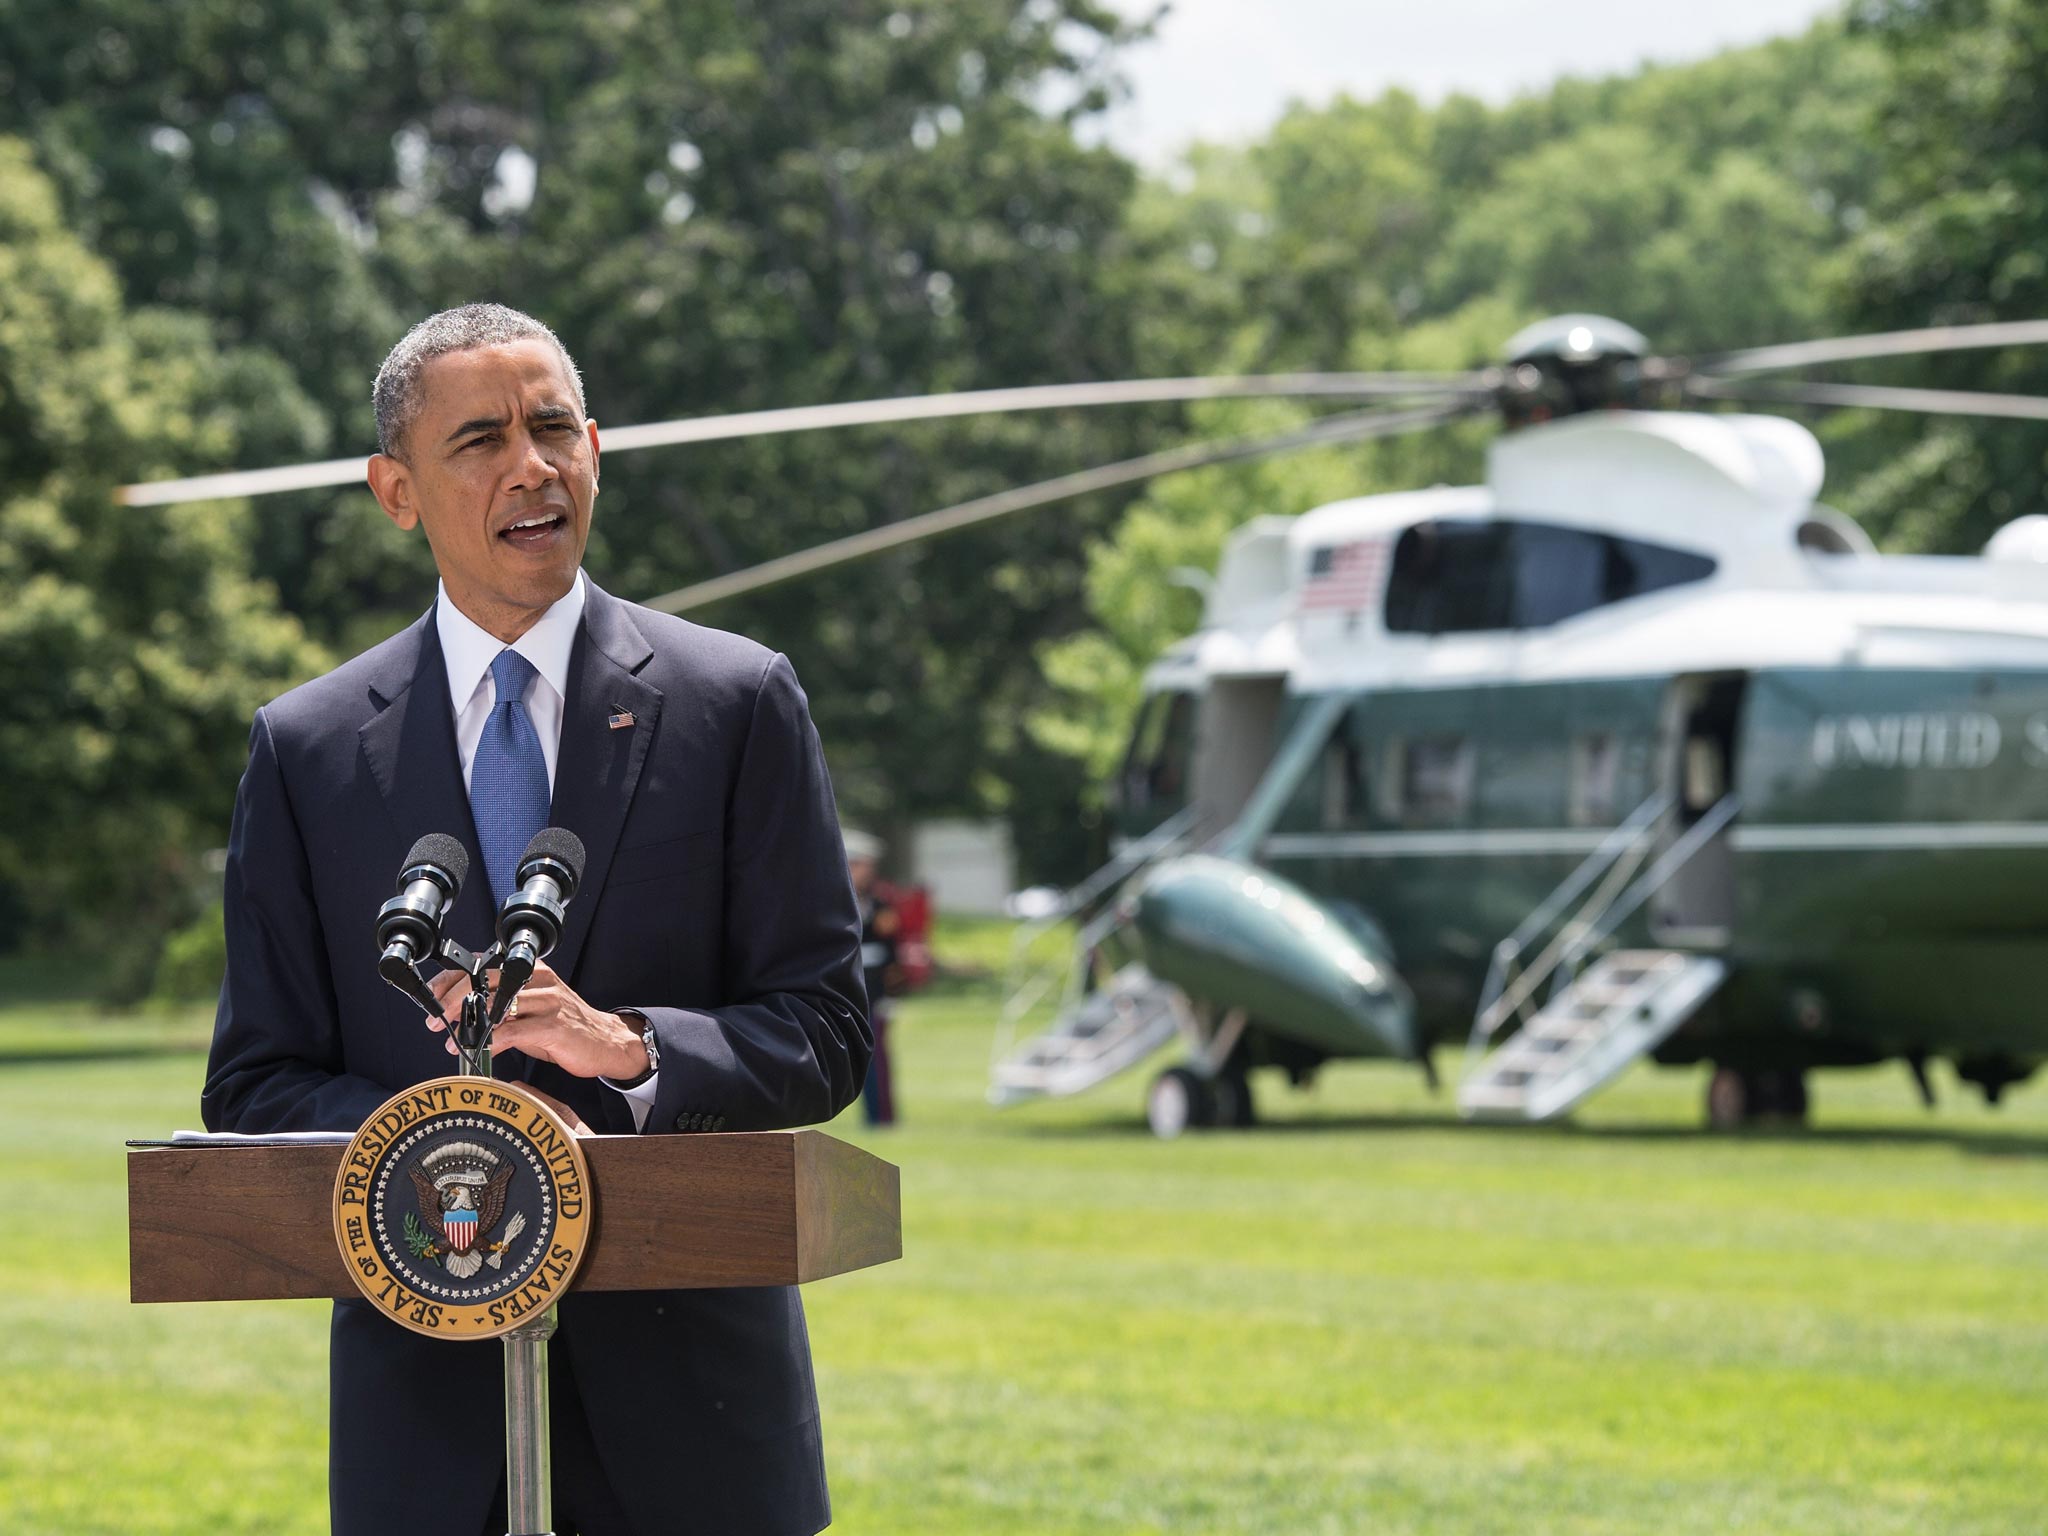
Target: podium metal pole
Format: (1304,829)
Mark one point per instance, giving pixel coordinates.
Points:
(529,1471)
(529,1464)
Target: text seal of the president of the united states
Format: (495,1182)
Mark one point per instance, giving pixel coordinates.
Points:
(462,1208)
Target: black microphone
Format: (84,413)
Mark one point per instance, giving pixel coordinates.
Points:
(409,924)
(530,922)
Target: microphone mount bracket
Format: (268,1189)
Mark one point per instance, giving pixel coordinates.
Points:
(471,1029)
(472,1032)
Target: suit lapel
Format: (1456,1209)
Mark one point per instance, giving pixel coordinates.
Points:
(598,766)
(410,746)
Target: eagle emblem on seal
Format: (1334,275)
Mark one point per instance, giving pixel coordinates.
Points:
(461,1187)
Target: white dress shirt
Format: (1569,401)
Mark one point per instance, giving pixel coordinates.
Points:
(468,650)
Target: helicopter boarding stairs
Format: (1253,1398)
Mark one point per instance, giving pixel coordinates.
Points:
(1602,1008)
(1108,1016)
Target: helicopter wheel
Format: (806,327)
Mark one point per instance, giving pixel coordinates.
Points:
(1780,1096)
(1728,1099)
(1736,1098)
(1177,1100)
(1231,1095)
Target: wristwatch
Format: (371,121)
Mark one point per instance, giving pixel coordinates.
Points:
(653,1048)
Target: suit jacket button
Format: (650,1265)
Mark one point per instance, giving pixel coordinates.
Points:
(718,1124)
(682,1122)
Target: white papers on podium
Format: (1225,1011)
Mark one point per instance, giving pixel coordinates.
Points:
(269,1139)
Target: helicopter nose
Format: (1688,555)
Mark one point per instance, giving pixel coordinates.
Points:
(1236,936)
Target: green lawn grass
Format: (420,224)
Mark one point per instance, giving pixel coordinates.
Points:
(1360,1317)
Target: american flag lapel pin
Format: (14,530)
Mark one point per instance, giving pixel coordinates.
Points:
(620,719)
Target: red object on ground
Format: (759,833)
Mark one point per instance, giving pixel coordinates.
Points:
(913,904)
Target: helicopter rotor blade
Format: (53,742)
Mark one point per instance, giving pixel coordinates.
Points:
(1932,402)
(1348,427)
(1853,349)
(856,413)
(1042,397)
(245,482)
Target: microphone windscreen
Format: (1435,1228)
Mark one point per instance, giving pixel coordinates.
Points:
(443,852)
(561,845)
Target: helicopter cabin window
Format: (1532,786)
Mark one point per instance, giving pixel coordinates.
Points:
(1596,780)
(1155,777)
(1457,576)
(1431,780)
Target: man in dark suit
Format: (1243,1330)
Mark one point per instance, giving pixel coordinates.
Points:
(707,977)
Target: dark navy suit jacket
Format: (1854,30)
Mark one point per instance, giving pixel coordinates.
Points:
(715,901)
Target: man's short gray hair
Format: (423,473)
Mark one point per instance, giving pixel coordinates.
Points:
(397,390)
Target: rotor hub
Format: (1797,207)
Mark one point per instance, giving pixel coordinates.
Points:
(1567,365)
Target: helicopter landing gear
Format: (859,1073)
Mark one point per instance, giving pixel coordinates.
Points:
(1177,1099)
(1231,1099)
(1181,1099)
(1738,1097)
(1214,1090)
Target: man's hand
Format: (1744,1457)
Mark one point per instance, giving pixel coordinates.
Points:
(549,1022)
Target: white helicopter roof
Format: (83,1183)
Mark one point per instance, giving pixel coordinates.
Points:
(1735,629)
(2023,540)
(1737,488)
(1670,474)
(1248,624)
(1720,485)
(1384,516)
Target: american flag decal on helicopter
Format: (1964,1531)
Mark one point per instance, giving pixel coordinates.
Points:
(1345,575)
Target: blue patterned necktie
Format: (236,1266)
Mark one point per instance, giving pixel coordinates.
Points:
(508,781)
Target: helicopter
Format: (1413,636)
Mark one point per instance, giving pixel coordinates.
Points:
(1635,751)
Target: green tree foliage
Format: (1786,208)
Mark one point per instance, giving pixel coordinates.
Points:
(837,202)
(134,645)
(1958,232)
(720,208)
(1613,220)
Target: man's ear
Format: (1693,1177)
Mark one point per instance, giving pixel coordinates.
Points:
(590,431)
(392,483)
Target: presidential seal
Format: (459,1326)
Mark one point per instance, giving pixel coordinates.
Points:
(462,1208)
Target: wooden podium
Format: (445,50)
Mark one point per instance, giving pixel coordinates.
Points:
(229,1223)
(255,1223)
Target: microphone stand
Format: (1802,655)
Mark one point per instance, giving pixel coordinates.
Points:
(472,1031)
(529,1468)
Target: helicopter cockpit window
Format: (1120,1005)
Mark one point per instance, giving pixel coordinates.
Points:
(1449,577)
(1558,572)
(1640,567)
(1155,776)
(1456,576)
